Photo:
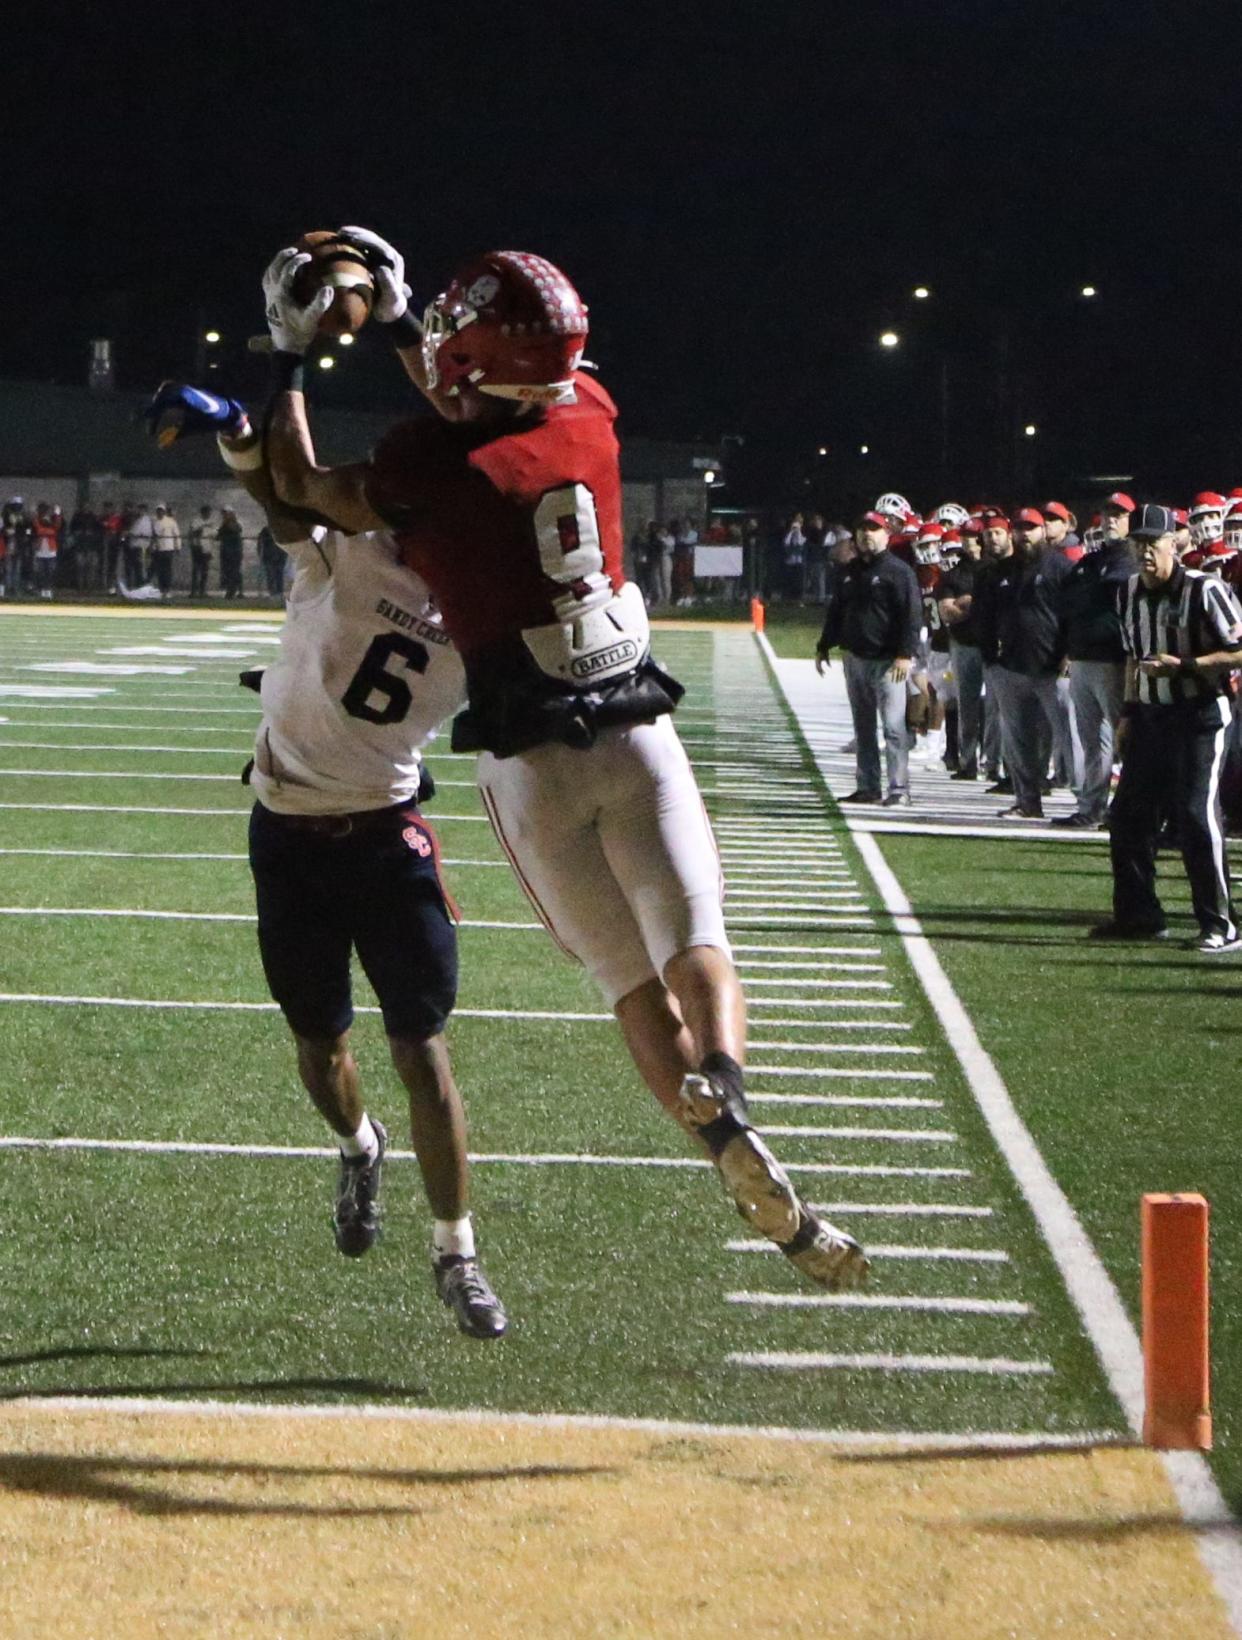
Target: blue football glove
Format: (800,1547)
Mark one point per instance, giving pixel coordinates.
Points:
(178,410)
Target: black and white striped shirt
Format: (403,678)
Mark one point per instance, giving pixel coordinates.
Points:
(1189,614)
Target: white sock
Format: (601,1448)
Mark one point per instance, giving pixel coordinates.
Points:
(364,1142)
(453,1236)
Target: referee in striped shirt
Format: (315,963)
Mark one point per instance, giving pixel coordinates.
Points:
(1182,632)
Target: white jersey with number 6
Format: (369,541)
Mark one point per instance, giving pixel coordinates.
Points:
(365,676)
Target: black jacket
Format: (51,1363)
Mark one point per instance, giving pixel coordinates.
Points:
(1019,623)
(1089,602)
(959,582)
(875,609)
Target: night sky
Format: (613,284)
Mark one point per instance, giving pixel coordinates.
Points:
(745,194)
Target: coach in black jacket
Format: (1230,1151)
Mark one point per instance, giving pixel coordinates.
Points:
(1097,657)
(1029,638)
(875,613)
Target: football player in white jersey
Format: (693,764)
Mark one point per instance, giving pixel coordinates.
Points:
(343,859)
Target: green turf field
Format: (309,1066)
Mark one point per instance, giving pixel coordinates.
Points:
(135,1269)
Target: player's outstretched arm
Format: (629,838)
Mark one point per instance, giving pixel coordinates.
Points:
(337,494)
(392,311)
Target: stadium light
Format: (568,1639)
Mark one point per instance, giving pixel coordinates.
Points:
(921,293)
(823,449)
(1089,291)
(212,336)
(889,338)
(709,477)
(346,339)
(1030,429)
(327,362)
(864,449)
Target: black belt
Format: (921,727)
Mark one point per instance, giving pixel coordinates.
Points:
(342,825)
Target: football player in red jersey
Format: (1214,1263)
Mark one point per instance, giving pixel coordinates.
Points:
(509,506)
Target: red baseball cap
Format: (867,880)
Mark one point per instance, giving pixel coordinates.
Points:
(1120,500)
(994,521)
(1029,515)
(874,518)
(1181,515)
(1058,509)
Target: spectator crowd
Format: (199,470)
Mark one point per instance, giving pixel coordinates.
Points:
(128,549)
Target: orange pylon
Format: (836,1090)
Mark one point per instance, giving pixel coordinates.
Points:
(757,613)
(1176,1358)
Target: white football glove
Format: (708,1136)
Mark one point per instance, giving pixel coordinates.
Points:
(292,324)
(387,265)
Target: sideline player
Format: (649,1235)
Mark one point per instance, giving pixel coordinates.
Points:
(508,503)
(342,858)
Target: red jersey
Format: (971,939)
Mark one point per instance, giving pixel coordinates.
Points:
(508,526)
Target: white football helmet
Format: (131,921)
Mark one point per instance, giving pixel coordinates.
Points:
(1207,518)
(895,506)
(951,515)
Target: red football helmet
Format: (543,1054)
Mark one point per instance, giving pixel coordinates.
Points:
(1206,518)
(509,324)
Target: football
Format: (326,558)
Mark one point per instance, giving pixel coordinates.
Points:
(338,264)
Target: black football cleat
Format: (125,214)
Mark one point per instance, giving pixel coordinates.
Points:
(465,1289)
(356,1216)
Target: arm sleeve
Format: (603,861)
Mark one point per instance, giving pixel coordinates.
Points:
(1220,607)
(831,631)
(912,614)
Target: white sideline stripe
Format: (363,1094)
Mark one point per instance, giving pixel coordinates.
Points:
(200,916)
(807,1070)
(270,1007)
(908,1136)
(36,692)
(964,1255)
(749,963)
(1091,1289)
(881,1301)
(947,1444)
(806,1361)
(930,1210)
(839,1047)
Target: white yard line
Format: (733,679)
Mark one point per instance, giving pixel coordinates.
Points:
(132,854)
(839,1047)
(808,1361)
(851,1074)
(962,1255)
(921,1302)
(896,1136)
(931,1210)
(171,1004)
(133,808)
(201,916)
(1092,1291)
(847,1100)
